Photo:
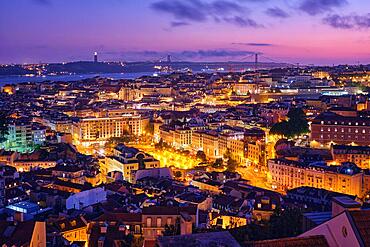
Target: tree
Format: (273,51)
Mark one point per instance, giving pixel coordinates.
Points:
(149,128)
(296,125)
(232,164)
(287,223)
(178,174)
(218,163)
(172,230)
(137,242)
(202,156)
(3,126)
(283,223)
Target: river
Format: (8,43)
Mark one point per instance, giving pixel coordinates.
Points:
(19,79)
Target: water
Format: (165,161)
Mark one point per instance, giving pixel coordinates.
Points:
(19,79)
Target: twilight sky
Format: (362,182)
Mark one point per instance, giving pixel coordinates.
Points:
(304,31)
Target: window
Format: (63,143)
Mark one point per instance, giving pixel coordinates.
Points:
(159,221)
(137,229)
(169,221)
(148,222)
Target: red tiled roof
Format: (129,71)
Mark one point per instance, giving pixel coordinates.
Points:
(162,210)
(120,217)
(361,218)
(317,241)
(17,235)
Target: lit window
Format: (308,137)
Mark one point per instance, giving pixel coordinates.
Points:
(159,222)
(149,222)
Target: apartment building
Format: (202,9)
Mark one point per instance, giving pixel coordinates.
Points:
(360,155)
(99,130)
(128,160)
(329,128)
(346,178)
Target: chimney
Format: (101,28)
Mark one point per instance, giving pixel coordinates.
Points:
(343,203)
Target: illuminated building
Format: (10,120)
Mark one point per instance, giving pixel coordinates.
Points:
(321,74)
(38,134)
(86,198)
(29,165)
(332,128)
(176,137)
(62,124)
(7,157)
(227,221)
(211,186)
(9,89)
(155,218)
(129,93)
(246,88)
(360,77)
(215,144)
(154,90)
(287,174)
(360,155)
(128,160)
(74,229)
(99,130)
(256,152)
(19,137)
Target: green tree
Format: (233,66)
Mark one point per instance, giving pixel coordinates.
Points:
(3,126)
(202,156)
(178,174)
(172,230)
(137,242)
(218,163)
(231,163)
(296,125)
(285,223)
(149,128)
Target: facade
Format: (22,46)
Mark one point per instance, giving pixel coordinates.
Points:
(128,160)
(212,187)
(127,93)
(287,174)
(99,130)
(86,198)
(176,137)
(19,137)
(74,229)
(155,218)
(215,144)
(245,88)
(360,155)
(39,135)
(330,128)
(256,152)
(29,165)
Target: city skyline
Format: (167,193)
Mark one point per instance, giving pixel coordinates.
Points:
(301,31)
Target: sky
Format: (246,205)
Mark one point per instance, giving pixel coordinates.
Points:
(321,32)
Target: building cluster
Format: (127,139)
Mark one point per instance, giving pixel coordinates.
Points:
(181,158)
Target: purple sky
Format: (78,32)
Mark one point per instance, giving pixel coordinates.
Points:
(304,31)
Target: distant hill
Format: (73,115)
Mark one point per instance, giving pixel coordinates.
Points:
(84,67)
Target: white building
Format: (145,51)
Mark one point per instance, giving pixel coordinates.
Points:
(86,198)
